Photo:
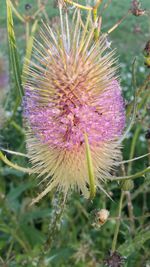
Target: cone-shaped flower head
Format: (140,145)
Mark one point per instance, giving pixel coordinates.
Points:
(72,90)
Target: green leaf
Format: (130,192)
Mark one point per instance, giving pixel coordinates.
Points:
(35,214)
(130,246)
(32,235)
(14,58)
(14,193)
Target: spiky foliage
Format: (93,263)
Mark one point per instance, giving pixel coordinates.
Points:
(72,89)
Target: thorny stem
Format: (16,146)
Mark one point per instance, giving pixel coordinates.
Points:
(133,144)
(130,210)
(114,243)
(129,203)
(53,228)
(143,187)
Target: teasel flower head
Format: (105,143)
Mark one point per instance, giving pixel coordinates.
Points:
(72,92)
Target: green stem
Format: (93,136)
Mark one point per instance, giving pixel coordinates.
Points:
(95,17)
(78,5)
(96,33)
(132,120)
(53,228)
(133,144)
(17,127)
(143,188)
(27,32)
(14,166)
(17,13)
(29,47)
(139,91)
(130,211)
(118,23)
(114,243)
(133,176)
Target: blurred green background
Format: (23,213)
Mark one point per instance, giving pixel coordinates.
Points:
(24,229)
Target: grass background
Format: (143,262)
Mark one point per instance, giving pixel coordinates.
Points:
(24,229)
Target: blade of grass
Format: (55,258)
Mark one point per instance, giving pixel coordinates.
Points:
(28,52)
(14,58)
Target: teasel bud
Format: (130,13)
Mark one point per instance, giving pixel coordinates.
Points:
(114,259)
(127,185)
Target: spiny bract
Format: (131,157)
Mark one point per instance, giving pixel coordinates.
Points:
(72,89)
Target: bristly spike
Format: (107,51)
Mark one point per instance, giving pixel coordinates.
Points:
(73,108)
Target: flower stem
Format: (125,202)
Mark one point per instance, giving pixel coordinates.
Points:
(53,228)
(130,211)
(78,5)
(95,18)
(114,243)
(14,166)
(18,15)
(27,32)
(133,176)
(118,23)
(132,150)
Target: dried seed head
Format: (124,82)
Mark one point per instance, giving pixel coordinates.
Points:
(72,89)
(114,260)
(136,8)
